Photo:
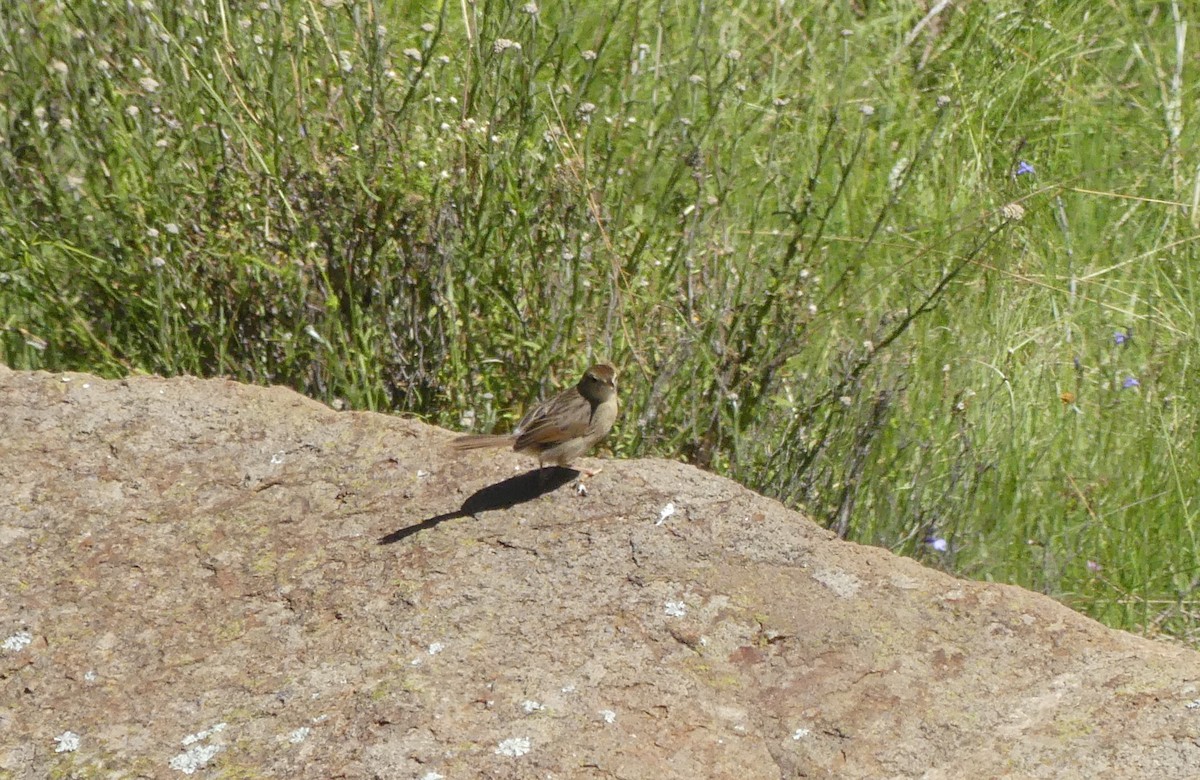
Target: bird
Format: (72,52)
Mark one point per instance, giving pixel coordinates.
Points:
(560,429)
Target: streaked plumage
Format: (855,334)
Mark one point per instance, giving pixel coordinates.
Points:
(561,428)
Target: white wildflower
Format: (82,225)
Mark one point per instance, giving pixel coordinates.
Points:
(1013,211)
(896,175)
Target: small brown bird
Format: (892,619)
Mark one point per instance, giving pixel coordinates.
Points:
(564,427)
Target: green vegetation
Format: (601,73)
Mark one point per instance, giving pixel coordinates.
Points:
(872,260)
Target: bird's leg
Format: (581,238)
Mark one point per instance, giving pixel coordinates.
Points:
(588,473)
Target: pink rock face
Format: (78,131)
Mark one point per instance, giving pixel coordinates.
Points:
(193,581)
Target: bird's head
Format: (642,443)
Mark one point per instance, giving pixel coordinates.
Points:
(599,383)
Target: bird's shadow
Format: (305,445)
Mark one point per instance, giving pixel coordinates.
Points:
(502,495)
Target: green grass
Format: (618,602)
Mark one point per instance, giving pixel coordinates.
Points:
(795,227)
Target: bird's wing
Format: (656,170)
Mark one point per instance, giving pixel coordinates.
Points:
(562,418)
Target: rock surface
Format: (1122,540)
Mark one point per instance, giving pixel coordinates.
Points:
(206,577)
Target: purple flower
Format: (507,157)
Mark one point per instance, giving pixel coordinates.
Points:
(1024,168)
(1093,566)
(1130,382)
(937,543)
(1121,337)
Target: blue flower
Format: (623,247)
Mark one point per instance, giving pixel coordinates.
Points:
(1130,382)
(1024,168)
(937,543)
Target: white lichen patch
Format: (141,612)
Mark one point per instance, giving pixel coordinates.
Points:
(199,735)
(529,706)
(194,758)
(843,584)
(17,642)
(197,756)
(299,735)
(608,716)
(68,742)
(903,582)
(514,747)
(674,609)
(665,512)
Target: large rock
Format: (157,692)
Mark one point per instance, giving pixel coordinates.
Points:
(201,576)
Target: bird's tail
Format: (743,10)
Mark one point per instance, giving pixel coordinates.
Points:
(478,441)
